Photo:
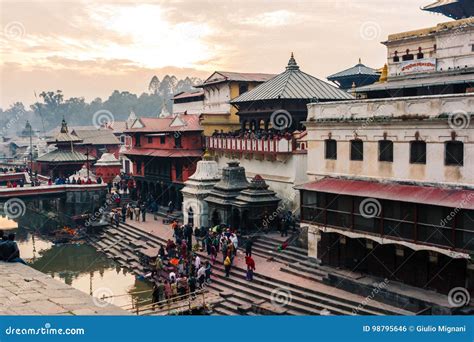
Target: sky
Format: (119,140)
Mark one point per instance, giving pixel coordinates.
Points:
(90,48)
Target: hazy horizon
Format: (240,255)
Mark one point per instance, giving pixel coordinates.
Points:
(91,48)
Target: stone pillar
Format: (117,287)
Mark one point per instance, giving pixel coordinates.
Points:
(314,236)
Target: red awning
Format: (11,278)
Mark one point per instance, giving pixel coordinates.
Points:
(151,152)
(451,198)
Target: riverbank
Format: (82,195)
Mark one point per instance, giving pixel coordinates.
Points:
(26,291)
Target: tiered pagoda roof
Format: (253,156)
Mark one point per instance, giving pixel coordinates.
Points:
(358,75)
(232,182)
(256,194)
(64,136)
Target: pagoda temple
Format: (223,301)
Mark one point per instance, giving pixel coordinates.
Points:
(242,204)
(357,76)
(64,160)
(289,91)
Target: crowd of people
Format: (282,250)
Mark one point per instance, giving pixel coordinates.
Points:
(178,270)
(9,250)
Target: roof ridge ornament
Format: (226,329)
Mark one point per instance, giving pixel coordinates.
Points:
(292,65)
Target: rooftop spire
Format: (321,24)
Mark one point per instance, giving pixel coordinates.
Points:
(64,126)
(292,65)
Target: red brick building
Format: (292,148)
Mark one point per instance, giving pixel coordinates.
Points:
(165,152)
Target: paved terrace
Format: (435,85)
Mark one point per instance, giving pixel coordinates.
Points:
(265,266)
(26,291)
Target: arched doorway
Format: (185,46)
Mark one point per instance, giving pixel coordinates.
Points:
(216,219)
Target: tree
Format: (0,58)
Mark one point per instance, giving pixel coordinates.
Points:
(154,85)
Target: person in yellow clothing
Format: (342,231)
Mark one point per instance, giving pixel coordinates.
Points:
(227,266)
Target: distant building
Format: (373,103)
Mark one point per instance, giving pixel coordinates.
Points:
(357,76)
(430,61)
(96,142)
(219,89)
(65,159)
(191,102)
(165,152)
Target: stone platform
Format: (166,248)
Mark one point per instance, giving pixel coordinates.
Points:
(26,291)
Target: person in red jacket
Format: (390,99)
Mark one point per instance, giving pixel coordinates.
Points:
(250,267)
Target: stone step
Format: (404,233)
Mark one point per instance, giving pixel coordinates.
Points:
(337,300)
(252,295)
(306,275)
(292,250)
(264,291)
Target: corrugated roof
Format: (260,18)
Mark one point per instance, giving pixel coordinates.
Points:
(178,123)
(358,69)
(226,76)
(293,84)
(451,198)
(151,152)
(186,94)
(97,137)
(59,156)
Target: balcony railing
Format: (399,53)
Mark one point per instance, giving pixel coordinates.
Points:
(251,145)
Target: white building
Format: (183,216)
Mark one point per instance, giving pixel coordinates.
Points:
(391,179)
(197,187)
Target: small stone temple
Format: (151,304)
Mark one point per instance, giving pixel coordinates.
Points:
(197,187)
(237,202)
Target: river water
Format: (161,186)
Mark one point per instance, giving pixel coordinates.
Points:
(79,265)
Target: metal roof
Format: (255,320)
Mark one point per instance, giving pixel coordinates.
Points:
(60,156)
(152,152)
(293,84)
(97,137)
(393,191)
(227,76)
(434,80)
(358,69)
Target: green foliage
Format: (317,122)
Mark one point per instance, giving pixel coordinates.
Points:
(51,107)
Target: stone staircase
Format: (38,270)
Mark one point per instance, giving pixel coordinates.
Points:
(127,244)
